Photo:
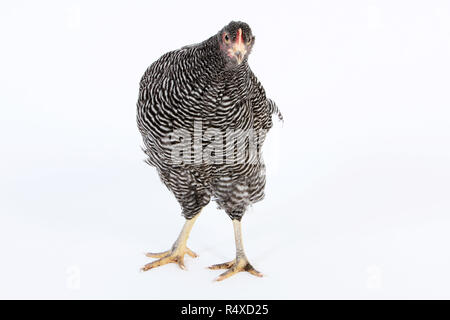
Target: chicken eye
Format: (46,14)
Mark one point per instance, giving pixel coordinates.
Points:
(226,38)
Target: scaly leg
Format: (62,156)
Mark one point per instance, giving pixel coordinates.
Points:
(179,249)
(241,262)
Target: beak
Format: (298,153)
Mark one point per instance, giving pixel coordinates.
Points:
(239,50)
(239,56)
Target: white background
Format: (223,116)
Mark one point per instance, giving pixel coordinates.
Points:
(357,201)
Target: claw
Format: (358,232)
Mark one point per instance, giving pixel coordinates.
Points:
(175,255)
(235,267)
(177,252)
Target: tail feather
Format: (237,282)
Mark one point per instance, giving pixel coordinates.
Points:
(273,108)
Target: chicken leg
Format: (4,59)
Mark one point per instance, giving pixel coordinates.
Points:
(240,263)
(178,250)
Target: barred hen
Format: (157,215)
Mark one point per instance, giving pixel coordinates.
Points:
(203,116)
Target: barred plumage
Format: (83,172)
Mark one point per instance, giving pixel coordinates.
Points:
(197,85)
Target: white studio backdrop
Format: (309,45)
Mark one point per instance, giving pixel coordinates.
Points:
(357,199)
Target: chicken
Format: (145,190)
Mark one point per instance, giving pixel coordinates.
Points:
(203,116)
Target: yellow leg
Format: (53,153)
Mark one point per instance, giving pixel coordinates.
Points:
(177,252)
(241,262)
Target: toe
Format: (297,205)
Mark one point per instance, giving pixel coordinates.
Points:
(191,253)
(180,262)
(156,263)
(226,265)
(157,254)
(249,268)
(226,274)
(255,273)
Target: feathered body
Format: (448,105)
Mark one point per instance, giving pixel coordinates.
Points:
(196,85)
